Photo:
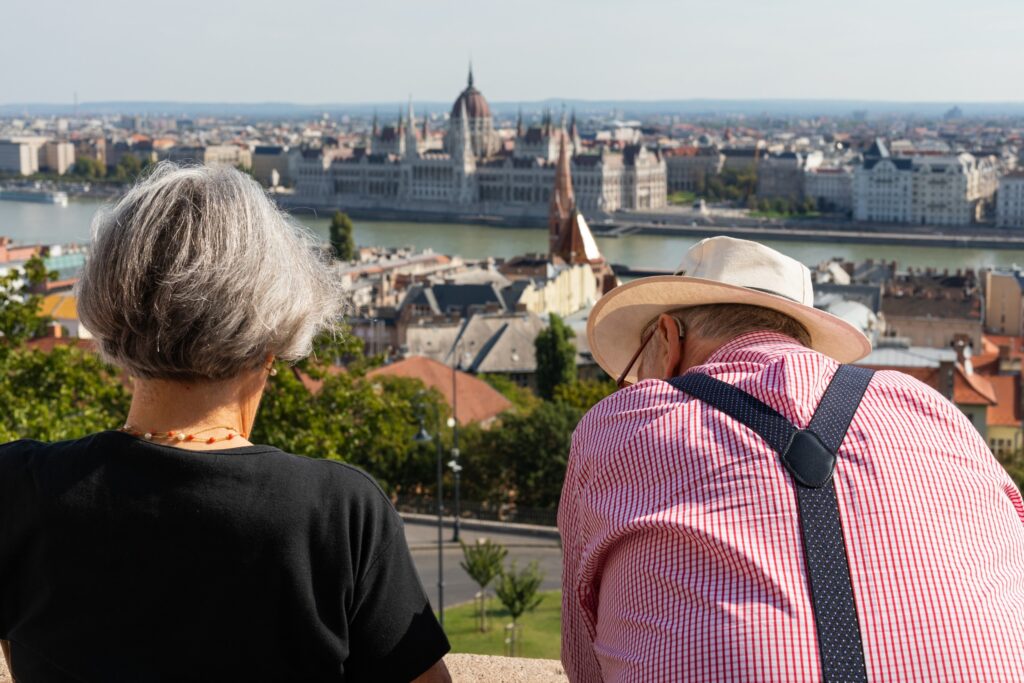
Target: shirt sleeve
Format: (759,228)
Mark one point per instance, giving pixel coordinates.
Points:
(394,633)
(577,629)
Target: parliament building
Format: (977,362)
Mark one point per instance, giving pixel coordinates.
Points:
(475,173)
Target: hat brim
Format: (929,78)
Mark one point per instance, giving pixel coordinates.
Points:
(618,318)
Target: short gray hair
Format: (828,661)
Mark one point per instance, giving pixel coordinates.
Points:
(196,274)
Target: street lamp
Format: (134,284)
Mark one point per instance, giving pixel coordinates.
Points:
(456,469)
(453,423)
(423,436)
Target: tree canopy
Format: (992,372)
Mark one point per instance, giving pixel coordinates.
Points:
(556,357)
(342,241)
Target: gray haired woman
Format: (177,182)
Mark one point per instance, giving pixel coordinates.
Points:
(173,548)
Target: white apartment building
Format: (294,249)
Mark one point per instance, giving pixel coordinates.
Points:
(1010,201)
(923,190)
(832,186)
(18,157)
(58,156)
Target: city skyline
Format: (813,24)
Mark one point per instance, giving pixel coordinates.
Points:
(346,53)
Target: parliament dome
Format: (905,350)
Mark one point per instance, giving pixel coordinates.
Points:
(474,101)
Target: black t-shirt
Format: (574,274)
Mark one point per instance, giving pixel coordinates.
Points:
(124,560)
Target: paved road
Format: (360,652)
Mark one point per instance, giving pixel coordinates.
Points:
(458,587)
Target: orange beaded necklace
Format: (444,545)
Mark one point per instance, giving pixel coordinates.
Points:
(183,436)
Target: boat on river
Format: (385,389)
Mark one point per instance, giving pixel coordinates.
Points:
(37,196)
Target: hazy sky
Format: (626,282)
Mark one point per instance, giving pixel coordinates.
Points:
(310,51)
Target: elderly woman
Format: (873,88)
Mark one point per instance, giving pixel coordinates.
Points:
(172,548)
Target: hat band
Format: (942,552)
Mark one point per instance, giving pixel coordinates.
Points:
(681,273)
(774,293)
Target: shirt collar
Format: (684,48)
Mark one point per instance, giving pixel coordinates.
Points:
(755,346)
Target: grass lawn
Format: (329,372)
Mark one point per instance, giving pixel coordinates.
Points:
(777,214)
(682,198)
(541,634)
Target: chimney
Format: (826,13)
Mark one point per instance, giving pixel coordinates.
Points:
(962,346)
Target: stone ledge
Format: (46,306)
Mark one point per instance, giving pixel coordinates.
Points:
(471,668)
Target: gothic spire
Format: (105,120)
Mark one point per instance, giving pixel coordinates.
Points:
(410,133)
(519,124)
(376,131)
(464,149)
(562,208)
(469,81)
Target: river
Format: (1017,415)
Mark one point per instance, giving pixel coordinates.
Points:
(44,223)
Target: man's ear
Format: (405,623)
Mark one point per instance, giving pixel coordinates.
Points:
(672,345)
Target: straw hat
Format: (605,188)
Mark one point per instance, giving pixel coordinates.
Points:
(718,270)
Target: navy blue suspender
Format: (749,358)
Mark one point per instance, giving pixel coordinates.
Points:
(810,457)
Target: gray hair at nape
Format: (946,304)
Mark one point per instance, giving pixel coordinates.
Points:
(196,274)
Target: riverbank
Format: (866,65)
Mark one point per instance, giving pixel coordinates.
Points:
(970,238)
(658,247)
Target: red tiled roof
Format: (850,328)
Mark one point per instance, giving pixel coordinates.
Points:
(972,389)
(477,400)
(1006,411)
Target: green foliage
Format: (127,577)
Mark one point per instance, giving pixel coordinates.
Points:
(89,169)
(342,241)
(63,394)
(540,638)
(128,168)
(368,422)
(731,185)
(682,197)
(783,207)
(585,394)
(519,591)
(521,397)
(482,560)
(532,449)
(556,357)
(19,304)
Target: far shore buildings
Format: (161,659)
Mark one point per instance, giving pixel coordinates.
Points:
(923,189)
(1010,201)
(398,170)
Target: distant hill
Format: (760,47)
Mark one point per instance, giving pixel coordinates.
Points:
(622,108)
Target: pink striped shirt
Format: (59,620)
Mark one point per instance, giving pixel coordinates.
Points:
(683,559)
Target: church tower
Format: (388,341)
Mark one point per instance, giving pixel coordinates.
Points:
(411,151)
(465,161)
(561,209)
(569,235)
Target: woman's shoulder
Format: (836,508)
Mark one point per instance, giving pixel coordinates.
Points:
(24,450)
(336,479)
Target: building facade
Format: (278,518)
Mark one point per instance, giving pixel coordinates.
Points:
(688,168)
(396,170)
(923,190)
(1004,302)
(18,157)
(58,157)
(831,187)
(1010,201)
(782,175)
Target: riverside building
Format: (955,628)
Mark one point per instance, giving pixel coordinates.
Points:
(396,169)
(952,189)
(1010,202)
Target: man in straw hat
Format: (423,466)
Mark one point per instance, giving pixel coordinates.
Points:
(748,508)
